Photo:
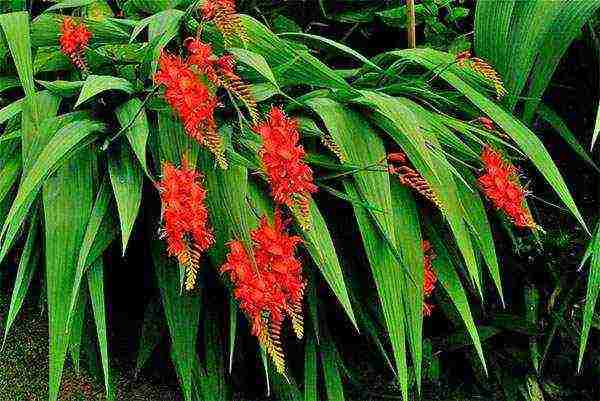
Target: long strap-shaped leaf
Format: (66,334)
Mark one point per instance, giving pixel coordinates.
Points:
(68,200)
(408,235)
(30,258)
(450,282)
(126,178)
(16,31)
(529,143)
(63,143)
(593,289)
(96,287)
(400,119)
(182,313)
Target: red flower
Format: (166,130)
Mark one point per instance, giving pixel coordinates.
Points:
(192,101)
(202,57)
(273,288)
(499,183)
(186,221)
(429,277)
(282,157)
(73,40)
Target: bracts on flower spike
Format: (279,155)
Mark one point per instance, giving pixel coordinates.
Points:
(186,227)
(223,14)
(398,166)
(429,277)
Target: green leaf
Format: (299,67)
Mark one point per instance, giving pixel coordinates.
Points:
(153,331)
(320,246)
(389,279)
(450,282)
(7,83)
(98,234)
(527,141)
(16,31)
(182,312)
(256,62)
(35,131)
(69,4)
(331,44)
(408,236)
(310,370)
(96,84)
(126,178)
(596,129)
(68,199)
(561,32)
(8,112)
(28,262)
(333,380)
(532,302)
(96,287)
(133,115)
(593,289)
(290,65)
(67,139)
(476,217)
(559,125)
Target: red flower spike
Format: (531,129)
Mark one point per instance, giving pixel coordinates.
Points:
(499,183)
(186,226)
(73,40)
(429,277)
(282,157)
(274,289)
(192,101)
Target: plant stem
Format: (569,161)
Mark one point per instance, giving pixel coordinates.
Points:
(412,35)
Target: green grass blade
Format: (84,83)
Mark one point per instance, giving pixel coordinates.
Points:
(233,320)
(68,200)
(13,109)
(96,287)
(16,31)
(76,332)
(593,289)
(126,178)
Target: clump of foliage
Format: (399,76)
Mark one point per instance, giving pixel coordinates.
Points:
(230,148)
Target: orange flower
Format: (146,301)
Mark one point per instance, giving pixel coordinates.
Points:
(282,157)
(273,288)
(73,40)
(429,277)
(499,183)
(186,221)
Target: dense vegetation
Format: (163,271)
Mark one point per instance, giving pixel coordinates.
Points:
(253,196)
